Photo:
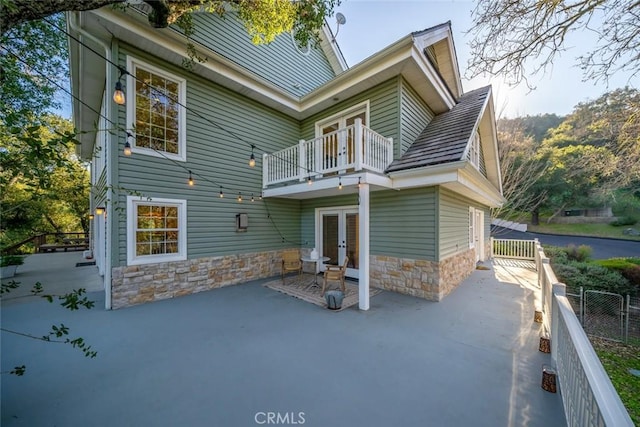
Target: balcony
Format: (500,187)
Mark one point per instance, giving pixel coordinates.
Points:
(350,149)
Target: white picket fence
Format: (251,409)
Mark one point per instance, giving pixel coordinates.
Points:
(513,248)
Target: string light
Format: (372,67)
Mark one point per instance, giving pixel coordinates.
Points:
(252,199)
(221,193)
(91,217)
(358,182)
(239,197)
(190,179)
(100,210)
(127,148)
(340,183)
(118,93)
(252,159)
(309,180)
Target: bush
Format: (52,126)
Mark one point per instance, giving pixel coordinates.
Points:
(580,253)
(7,260)
(593,276)
(556,254)
(562,255)
(625,220)
(629,268)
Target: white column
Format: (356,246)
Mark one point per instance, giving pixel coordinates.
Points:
(363,268)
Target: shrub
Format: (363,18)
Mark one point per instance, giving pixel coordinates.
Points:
(593,276)
(562,255)
(580,253)
(556,254)
(629,268)
(625,220)
(7,260)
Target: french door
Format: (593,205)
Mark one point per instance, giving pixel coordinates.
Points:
(338,144)
(338,237)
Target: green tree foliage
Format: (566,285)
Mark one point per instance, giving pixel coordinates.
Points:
(263,19)
(44,187)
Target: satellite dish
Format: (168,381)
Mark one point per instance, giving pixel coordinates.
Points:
(341,20)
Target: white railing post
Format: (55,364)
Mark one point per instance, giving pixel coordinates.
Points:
(492,251)
(302,160)
(265,170)
(558,289)
(390,152)
(358,144)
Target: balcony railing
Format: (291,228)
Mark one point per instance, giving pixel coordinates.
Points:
(349,149)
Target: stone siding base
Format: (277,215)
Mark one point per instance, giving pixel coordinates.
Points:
(421,278)
(138,284)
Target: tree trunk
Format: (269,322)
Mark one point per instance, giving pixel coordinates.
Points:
(535,217)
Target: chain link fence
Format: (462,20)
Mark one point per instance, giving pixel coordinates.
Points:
(607,315)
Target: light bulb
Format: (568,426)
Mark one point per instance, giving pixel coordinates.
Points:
(118,94)
(127,149)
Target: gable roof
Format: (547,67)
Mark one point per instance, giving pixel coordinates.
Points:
(446,137)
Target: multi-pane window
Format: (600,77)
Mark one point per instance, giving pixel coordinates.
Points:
(156,230)
(156,112)
(474,151)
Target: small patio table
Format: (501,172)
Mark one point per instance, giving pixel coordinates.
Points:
(315,261)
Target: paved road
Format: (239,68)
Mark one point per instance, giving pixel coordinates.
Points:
(602,248)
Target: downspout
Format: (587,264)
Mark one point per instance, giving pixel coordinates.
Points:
(74,25)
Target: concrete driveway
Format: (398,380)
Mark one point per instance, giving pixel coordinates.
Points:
(238,355)
(602,248)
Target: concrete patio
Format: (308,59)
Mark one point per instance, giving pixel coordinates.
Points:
(231,356)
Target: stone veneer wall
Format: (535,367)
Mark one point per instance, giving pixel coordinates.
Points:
(138,284)
(421,278)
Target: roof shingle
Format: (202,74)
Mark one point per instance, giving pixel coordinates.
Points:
(445,138)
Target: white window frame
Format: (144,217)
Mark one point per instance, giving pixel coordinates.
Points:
(472,229)
(474,150)
(132,64)
(341,116)
(132,203)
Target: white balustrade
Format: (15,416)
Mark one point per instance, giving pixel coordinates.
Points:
(348,149)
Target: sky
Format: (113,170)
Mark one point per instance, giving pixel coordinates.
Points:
(372,25)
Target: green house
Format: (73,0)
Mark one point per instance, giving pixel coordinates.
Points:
(207,173)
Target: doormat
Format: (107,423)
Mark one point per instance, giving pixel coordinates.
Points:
(305,288)
(84,264)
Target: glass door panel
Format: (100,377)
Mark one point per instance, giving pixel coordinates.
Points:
(340,238)
(352,242)
(330,238)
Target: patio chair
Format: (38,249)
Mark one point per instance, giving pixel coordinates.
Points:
(291,262)
(335,272)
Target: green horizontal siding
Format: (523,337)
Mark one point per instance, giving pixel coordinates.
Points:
(228,37)
(453,221)
(383,104)
(403,223)
(415,116)
(215,124)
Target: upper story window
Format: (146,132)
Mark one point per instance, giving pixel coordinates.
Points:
(474,151)
(155,112)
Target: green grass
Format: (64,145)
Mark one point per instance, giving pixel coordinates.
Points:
(617,359)
(597,230)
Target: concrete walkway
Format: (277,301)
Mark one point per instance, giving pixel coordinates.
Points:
(231,356)
(58,274)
